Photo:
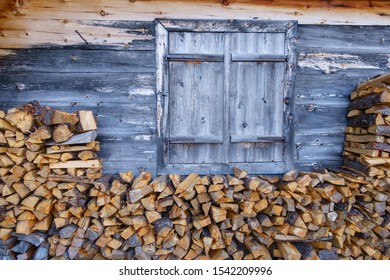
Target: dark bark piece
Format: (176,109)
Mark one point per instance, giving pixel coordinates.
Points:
(3,212)
(5,252)
(26,256)
(103,183)
(383,130)
(363,121)
(35,238)
(68,231)
(7,257)
(134,241)
(369,101)
(358,166)
(73,252)
(8,243)
(328,255)
(130,254)
(140,254)
(22,247)
(306,249)
(291,218)
(42,252)
(162,223)
(378,146)
(92,235)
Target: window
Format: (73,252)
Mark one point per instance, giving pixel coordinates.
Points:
(225,95)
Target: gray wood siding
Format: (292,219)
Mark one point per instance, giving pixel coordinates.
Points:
(118,84)
(332,61)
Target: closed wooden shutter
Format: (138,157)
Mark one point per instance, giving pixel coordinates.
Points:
(256,97)
(195,97)
(225,96)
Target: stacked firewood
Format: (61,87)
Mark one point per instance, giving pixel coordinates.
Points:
(367,153)
(55,205)
(298,216)
(41,149)
(367,146)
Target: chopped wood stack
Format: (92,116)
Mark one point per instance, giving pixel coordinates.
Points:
(300,216)
(367,145)
(58,212)
(43,151)
(367,152)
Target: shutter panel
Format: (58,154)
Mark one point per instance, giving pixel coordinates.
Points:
(195,98)
(256,97)
(196,43)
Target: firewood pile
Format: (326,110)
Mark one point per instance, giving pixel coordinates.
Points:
(44,153)
(54,203)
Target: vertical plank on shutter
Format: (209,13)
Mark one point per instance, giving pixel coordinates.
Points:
(258,43)
(256,97)
(200,43)
(161,92)
(195,109)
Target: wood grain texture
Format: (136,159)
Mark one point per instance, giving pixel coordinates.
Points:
(256,109)
(99,80)
(196,43)
(61,31)
(248,103)
(53,22)
(77,60)
(102,77)
(161,93)
(193,111)
(332,61)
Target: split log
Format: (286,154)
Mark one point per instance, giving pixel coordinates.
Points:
(82,138)
(371,100)
(61,133)
(86,121)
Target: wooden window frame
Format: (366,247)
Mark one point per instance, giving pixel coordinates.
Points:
(163,27)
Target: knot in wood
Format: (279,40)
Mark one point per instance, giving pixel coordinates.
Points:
(20,86)
(316,166)
(294,40)
(311,107)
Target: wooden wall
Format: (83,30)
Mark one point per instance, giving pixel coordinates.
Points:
(117,83)
(42,57)
(24,23)
(332,61)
